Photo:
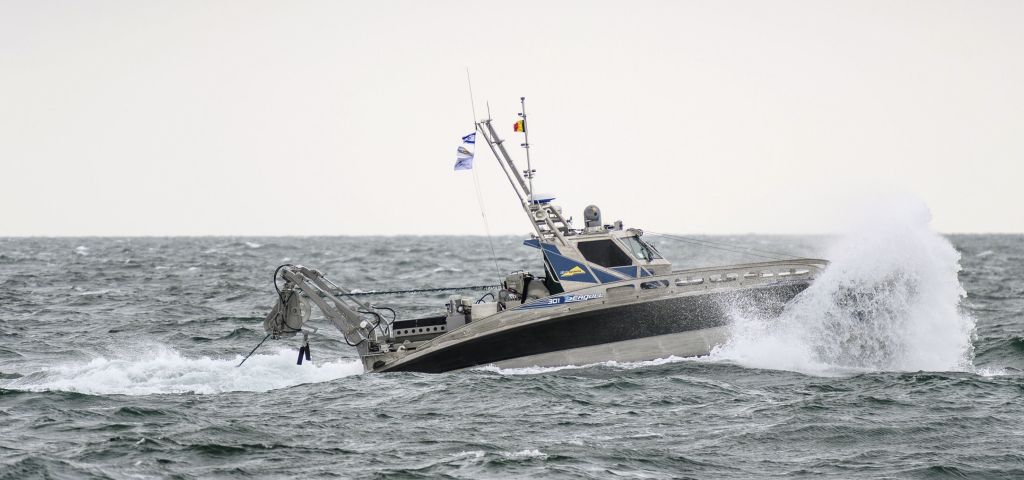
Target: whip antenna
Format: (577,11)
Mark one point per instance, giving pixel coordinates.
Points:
(476,185)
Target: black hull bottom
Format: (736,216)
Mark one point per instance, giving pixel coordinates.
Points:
(613,324)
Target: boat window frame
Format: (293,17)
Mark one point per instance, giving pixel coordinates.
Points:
(652,253)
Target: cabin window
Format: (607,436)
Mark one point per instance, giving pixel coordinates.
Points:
(604,253)
(689,281)
(654,284)
(641,250)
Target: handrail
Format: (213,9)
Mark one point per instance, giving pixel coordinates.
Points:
(744,266)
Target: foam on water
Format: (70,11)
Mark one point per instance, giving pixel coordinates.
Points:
(889,301)
(608,364)
(525,454)
(164,370)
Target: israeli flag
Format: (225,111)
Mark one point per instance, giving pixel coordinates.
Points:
(464,154)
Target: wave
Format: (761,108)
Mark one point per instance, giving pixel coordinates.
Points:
(164,370)
(889,301)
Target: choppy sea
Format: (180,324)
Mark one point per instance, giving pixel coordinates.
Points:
(117,360)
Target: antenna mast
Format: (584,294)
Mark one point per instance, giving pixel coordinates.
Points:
(528,173)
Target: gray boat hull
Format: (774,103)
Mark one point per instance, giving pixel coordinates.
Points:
(686,324)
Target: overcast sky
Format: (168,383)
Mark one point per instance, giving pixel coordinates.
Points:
(301,117)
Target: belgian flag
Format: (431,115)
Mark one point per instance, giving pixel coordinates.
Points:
(519,126)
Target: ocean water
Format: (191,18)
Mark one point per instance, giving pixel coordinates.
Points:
(117,360)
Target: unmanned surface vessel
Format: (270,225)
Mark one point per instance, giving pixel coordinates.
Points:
(605,294)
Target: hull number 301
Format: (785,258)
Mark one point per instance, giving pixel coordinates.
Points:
(563,299)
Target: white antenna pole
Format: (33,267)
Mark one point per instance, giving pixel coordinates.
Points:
(526,145)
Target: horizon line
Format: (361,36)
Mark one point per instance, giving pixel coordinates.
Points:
(528,235)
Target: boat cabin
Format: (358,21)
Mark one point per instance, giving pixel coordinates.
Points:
(593,256)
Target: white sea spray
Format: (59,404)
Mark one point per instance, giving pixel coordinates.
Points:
(889,301)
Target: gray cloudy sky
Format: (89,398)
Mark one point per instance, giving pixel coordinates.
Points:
(249,117)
